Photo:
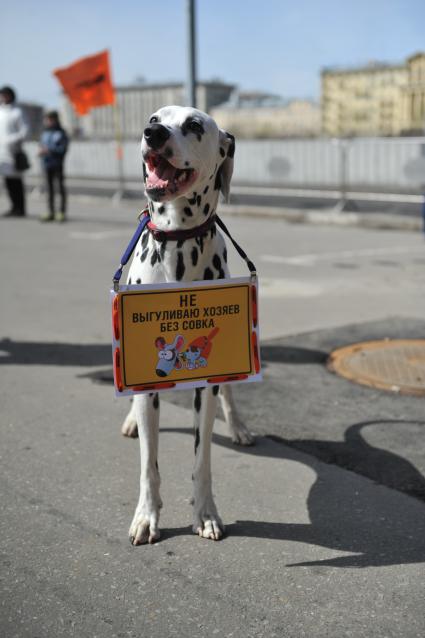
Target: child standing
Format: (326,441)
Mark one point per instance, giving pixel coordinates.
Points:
(53,147)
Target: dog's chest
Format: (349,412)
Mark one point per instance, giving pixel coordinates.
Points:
(199,258)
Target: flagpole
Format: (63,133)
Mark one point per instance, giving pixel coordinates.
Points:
(191,54)
(119,194)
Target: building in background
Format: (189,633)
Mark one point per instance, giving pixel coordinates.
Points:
(414,96)
(135,105)
(262,115)
(377,99)
(33,114)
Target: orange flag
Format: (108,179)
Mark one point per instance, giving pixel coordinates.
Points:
(87,82)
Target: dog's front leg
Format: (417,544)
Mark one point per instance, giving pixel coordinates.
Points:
(144,527)
(206,521)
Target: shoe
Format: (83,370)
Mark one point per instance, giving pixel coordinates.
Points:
(60,217)
(47,217)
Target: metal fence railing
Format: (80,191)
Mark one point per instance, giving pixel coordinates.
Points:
(376,164)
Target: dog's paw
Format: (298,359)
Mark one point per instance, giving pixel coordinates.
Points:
(129,427)
(207,523)
(211,528)
(144,528)
(242,436)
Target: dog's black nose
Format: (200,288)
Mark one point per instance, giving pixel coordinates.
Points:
(156,135)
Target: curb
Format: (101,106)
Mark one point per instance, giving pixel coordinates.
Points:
(378,221)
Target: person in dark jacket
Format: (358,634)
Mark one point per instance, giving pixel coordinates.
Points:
(53,147)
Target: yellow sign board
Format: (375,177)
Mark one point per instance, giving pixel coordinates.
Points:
(172,336)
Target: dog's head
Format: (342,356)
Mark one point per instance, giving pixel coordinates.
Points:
(183,151)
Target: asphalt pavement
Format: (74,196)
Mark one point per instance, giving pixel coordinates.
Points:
(325,514)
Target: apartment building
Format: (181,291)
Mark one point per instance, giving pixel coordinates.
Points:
(377,99)
(413,94)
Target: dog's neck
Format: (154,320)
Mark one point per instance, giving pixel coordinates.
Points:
(185,212)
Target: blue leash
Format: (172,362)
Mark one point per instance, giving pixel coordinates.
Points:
(130,248)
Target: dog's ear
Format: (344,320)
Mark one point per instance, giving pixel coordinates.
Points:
(226,150)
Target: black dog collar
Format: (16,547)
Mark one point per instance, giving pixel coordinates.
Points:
(178,235)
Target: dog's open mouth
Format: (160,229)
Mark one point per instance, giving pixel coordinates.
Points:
(163,178)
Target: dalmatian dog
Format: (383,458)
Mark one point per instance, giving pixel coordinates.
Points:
(187,161)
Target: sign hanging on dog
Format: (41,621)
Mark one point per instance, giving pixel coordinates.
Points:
(166,336)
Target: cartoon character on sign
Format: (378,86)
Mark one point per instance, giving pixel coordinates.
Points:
(168,355)
(198,351)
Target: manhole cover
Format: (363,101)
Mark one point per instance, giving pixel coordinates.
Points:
(397,365)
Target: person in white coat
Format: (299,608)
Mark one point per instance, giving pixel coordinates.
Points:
(13,131)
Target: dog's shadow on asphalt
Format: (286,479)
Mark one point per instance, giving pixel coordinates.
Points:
(54,353)
(381,530)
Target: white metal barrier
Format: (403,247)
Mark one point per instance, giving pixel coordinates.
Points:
(377,164)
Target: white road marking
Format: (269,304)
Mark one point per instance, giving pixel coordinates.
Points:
(312,258)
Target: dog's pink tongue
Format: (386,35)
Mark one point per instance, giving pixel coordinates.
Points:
(155,180)
(161,176)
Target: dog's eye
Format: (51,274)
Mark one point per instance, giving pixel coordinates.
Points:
(168,355)
(195,126)
(153,119)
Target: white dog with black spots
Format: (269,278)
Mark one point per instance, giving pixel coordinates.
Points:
(187,161)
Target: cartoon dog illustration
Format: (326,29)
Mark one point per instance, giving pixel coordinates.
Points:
(198,351)
(168,355)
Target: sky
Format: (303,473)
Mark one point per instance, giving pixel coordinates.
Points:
(276,46)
